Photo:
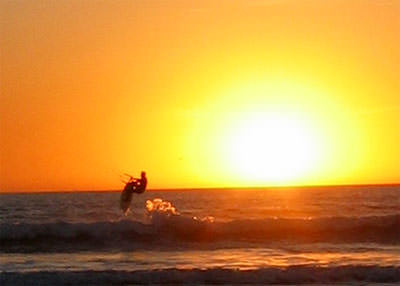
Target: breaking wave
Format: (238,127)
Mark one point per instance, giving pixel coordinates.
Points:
(295,274)
(168,228)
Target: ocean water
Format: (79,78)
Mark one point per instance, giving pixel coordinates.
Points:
(298,236)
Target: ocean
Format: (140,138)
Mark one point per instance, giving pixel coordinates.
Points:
(347,235)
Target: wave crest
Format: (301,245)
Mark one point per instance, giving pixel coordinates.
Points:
(167,228)
(172,230)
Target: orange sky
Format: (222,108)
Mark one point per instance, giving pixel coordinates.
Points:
(92,89)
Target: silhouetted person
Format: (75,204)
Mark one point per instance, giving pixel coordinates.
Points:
(134,185)
(137,185)
(141,183)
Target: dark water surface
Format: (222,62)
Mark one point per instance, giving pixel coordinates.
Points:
(285,236)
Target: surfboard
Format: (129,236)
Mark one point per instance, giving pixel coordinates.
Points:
(126,198)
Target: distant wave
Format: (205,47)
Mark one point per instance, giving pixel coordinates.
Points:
(175,230)
(292,275)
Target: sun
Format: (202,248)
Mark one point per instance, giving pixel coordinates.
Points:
(272,148)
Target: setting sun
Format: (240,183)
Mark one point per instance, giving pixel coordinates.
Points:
(272,147)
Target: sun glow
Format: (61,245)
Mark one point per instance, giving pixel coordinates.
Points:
(199,93)
(274,148)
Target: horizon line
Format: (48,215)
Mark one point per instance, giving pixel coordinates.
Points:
(207,188)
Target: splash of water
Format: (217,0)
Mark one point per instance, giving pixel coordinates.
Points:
(161,207)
